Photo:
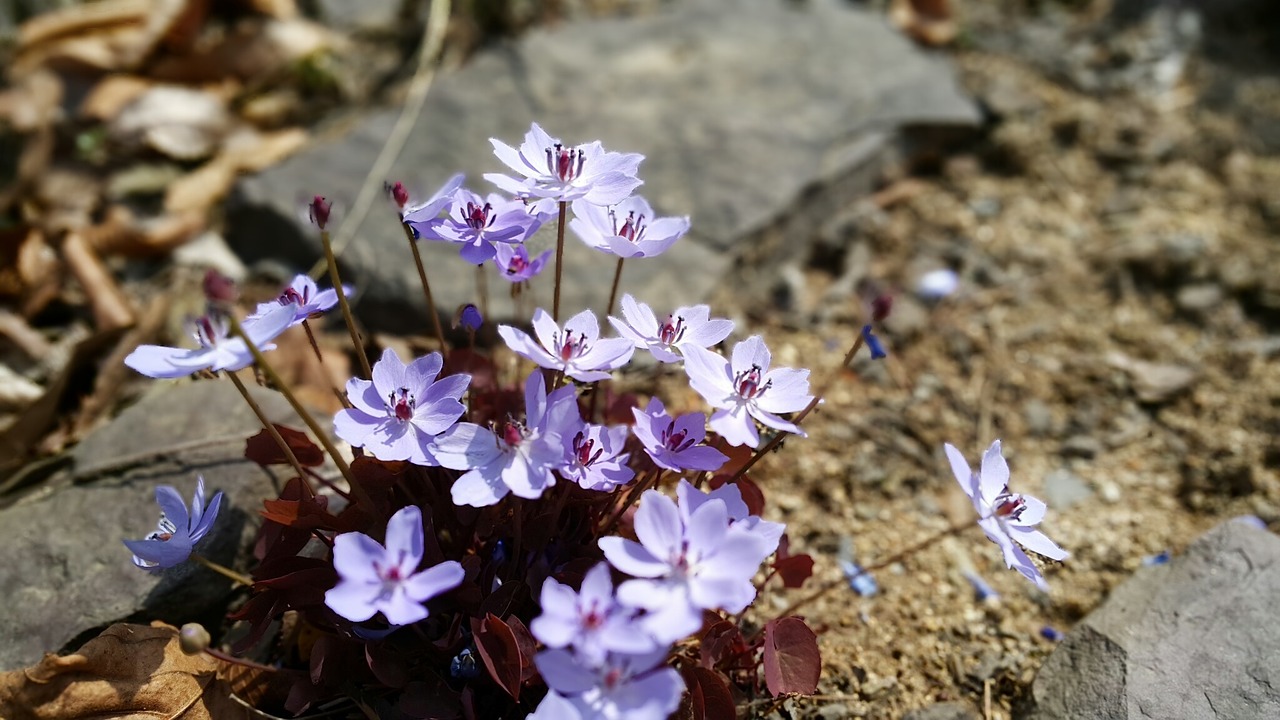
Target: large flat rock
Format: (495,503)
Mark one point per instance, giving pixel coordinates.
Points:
(1197,639)
(66,571)
(746,110)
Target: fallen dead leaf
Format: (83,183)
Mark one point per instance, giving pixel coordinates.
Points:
(928,22)
(111,309)
(111,95)
(135,671)
(183,123)
(246,150)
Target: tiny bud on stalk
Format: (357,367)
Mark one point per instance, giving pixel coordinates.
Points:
(399,194)
(219,289)
(468,317)
(193,638)
(881,306)
(319,209)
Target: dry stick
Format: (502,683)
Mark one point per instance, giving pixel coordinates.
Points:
(555,305)
(426,286)
(432,41)
(270,427)
(321,435)
(896,557)
(315,348)
(223,571)
(817,398)
(342,302)
(631,498)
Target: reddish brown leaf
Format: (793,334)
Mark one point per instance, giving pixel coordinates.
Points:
(794,570)
(792,661)
(720,642)
(528,648)
(709,697)
(500,652)
(263,449)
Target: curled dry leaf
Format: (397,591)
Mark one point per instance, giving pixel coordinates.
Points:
(183,123)
(132,671)
(111,95)
(111,309)
(15,390)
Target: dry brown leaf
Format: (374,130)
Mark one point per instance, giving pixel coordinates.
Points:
(132,671)
(111,95)
(64,199)
(245,151)
(24,337)
(278,9)
(32,103)
(77,19)
(181,122)
(122,233)
(928,22)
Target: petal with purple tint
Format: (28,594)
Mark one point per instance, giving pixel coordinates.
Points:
(632,558)
(658,525)
(1037,542)
(404,539)
(994,475)
(434,581)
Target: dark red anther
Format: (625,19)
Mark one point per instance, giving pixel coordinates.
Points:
(402,404)
(582,448)
(219,289)
(675,442)
(291,296)
(319,209)
(748,383)
(478,216)
(512,434)
(517,265)
(1010,506)
(671,330)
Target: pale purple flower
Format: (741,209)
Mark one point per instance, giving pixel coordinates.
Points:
(477,223)
(421,211)
(178,532)
(398,414)
(217,351)
(577,350)
(514,264)
(746,388)
(676,444)
(374,578)
(555,706)
(684,565)
(627,229)
(594,457)
(1007,518)
(623,687)
(551,170)
(691,498)
(521,459)
(307,298)
(591,621)
(684,327)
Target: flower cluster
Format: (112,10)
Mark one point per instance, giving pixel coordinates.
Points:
(488,537)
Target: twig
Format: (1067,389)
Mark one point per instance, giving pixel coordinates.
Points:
(432,41)
(111,309)
(223,570)
(324,370)
(613,291)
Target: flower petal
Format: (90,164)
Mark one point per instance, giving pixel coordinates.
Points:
(434,581)
(632,558)
(995,473)
(404,539)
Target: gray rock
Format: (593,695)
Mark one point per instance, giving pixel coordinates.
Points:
(69,574)
(1081,446)
(1194,639)
(1039,417)
(1200,297)
(944,711)
(1063,488)
(745,129)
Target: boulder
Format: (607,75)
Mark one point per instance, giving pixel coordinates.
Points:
(67,574)
(752,115)
(1196,639)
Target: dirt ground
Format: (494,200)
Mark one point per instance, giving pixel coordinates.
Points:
(1116,320)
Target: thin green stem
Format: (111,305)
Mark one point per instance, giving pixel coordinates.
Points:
(261,360)
(426,286)
(613,291)
(342,302)
(270,427)
(555,305)
(223,570)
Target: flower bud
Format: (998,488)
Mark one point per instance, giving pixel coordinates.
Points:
(193,638)
(881,306)
(318,209)
(219,289)
(399,194)
(468,318)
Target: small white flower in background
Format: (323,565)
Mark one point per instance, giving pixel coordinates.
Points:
(1007,518)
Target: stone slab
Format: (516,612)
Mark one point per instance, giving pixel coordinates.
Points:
(743,109)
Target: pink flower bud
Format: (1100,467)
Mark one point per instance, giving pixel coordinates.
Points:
(881,306)
(319,209)
(219,289)
(399,194)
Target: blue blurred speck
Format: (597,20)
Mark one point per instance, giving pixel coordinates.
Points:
(1159,558)
(1050,633)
